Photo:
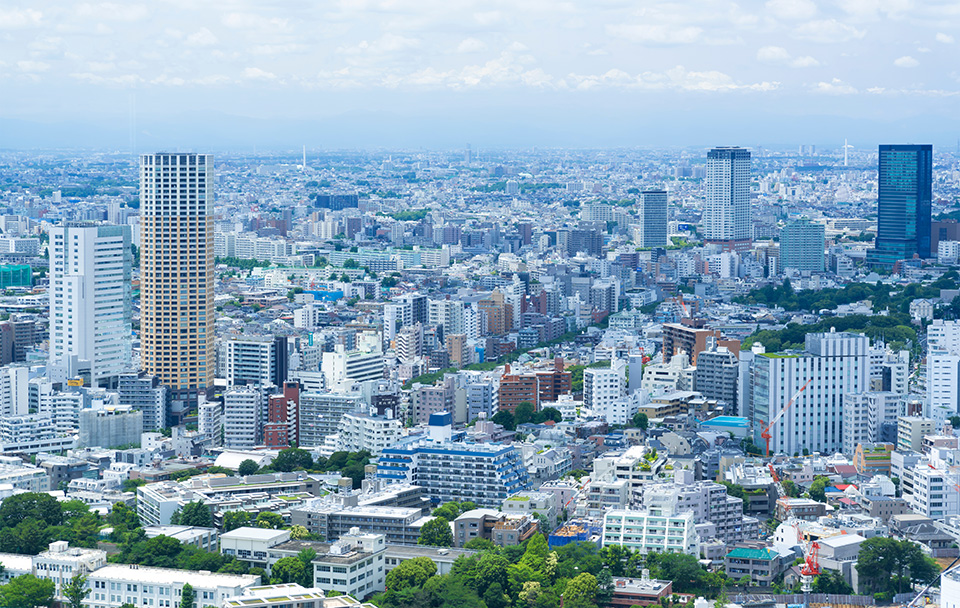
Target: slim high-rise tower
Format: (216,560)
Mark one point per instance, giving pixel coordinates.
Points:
(652,227)
(176,275)
(90,312)
(726,214)
(904,196)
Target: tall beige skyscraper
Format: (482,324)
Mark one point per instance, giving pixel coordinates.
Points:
(176,275)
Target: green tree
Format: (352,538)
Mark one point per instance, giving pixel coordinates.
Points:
(494,597)
(247,467)
(817,488)
(287,570)
(27,591)
(292,459)
(194,513)
(299,533)
(351,263)
(269,519)
(436,533)
(187,596)
(523,413)
(480,544)
(30,505)
(505,419)
(411,573)
(76,590)
(831,581)
(581,589)
(235,519)
(890,565)
(604,586)
(640,420)
(535,555)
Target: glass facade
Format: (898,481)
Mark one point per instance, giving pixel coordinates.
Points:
(903,203)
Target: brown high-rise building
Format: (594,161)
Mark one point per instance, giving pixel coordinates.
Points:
(176,275)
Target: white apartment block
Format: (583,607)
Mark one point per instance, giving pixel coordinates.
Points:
(864,415)
(834,364)
(342,367)
(365,431)
(23,476)
(90,310)
(14,390)
(948,252)
(244,412)
(651,531)
(112,585)
(320,414)
(210,420)
(935,492)
(707,500)
(603,388)
(247,360)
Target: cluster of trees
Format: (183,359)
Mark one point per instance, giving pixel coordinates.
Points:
(895,329)
(349,464)
(888,566)
(29,522)
(436,532)
(533,576)
(165,552)
(883,296)
(241,263)
(523,414)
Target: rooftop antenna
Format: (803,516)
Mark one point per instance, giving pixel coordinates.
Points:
(846,148)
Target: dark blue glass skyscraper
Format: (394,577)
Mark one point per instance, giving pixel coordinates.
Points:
(903,203)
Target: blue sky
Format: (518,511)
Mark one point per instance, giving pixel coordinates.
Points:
(442,72)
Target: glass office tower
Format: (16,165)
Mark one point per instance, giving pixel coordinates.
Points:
(903,203)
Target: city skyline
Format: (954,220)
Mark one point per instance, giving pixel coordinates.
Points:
(403,73)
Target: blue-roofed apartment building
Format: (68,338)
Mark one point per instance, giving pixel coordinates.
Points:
(450,469)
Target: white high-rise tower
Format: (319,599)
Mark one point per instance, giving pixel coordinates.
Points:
(726,214)
(90,312)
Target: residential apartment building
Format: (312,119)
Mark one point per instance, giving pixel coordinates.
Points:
(453,470)
(176,275)
(651,531)
(90,310)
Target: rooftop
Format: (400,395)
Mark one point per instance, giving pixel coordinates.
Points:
(170,576)
(744,553)
(252,533)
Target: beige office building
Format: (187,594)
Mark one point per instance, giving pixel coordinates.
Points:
(176,275)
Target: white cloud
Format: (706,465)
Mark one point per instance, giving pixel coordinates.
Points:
(828,30)
(110,11)
(33,67)
(792,9)
(834,87)
(944,38)
(471,45)
(202,37)
(656,34)
(487,18)
(258,74)
(773,54)
(873,9)
(804,62)
(906,62)
(780,55)
(250,21)
(16,18)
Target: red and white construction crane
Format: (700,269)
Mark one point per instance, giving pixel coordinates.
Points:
(765,433)
(809,571)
